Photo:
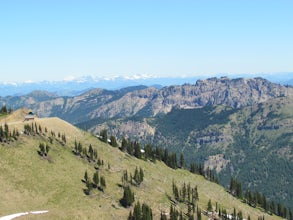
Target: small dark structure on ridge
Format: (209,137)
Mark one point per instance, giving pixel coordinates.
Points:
(29,116)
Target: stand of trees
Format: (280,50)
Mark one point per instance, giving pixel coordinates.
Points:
(186,194)
(5,111)
(43,149)
(6,135)
(256,199)
(97,182)
(148,152)
(35,129)
(141,212)
(89,152)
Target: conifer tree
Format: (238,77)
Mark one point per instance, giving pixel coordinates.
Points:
(104,135)
(137,211)
(141,174)
(124,178)
(272,207)
(96,178)
(79,147)
(137,150)
(91,152)
(210,207)
(113,141)
(128,197)
(42,149)
(75,147)
(103,183)
(146,212)
(182,161)
(47,149)
(198,214)
(124,144)
(86,176)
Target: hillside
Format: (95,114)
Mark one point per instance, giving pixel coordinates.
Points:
(54,183)
(252,144)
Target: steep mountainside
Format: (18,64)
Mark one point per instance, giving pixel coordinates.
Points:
(235,126)
(56,181)
(253,144)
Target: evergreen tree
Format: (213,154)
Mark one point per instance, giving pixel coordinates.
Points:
(103,183)
(182,161)
(79,147)
(174,214)
(42,149)
(47,149)
(137,150)
(130,148)
(272,207)
(84,152)
(113,141)
(86,176)
(147,213)
(149,153)
(89,187)
(137,211)
(141,174)
(128,197)
(6,131)
(198,214)
(264,203)
(91,152)
(124,144)
(104,135)
(210,207)
(75,147)
(124,178)
(3,109)
(96,179)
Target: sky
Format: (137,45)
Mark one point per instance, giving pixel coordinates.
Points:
(61,39)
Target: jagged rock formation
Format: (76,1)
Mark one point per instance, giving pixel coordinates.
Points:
(148,101)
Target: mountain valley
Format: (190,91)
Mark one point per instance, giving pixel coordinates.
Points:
(240,128)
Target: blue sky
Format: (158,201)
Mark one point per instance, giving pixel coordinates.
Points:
(55,39)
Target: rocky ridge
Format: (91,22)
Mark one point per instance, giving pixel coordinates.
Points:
(148,101)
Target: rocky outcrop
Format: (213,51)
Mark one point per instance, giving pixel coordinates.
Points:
(148,101)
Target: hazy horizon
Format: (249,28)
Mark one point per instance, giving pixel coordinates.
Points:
(56,40)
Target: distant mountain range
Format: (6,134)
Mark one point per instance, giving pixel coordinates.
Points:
(77,86)
(239,127)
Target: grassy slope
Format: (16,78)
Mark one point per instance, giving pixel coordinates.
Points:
(31,183)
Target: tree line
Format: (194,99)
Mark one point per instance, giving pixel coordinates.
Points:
(4,110)
(148,152)
(257,199)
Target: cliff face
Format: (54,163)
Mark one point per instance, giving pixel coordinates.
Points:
(143,101)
